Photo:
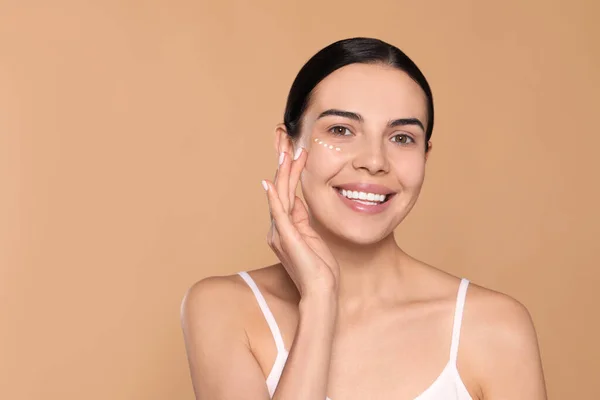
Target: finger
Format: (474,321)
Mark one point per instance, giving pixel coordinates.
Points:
(277,248)
(275,245)
(276,177)
(295,172)
(281,219)
(271,234)
(274,239)
(282,183)
(299,213)
(300,219)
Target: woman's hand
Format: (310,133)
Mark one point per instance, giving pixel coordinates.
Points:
(303,253)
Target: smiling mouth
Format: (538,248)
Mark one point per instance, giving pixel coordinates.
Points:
(366,198)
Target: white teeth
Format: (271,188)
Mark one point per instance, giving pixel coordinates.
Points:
(371,197)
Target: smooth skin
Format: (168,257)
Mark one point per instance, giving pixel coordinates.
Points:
(360,317)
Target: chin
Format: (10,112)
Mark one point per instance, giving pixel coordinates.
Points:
(353,233)
(363,237)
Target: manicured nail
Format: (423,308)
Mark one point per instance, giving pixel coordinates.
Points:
(265,186)
(298,152)
(281,157)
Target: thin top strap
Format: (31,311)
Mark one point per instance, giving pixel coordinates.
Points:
(265,310)
(458,315)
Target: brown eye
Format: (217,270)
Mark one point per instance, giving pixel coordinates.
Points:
(403,139)
(340,131)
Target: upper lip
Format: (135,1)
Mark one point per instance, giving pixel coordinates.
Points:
(367,188)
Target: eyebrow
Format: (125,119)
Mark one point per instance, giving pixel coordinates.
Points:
(357,117)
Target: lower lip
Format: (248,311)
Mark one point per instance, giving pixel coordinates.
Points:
(363,208)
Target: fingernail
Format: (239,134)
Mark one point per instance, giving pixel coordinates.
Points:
(264,185)
(298,152)
(281,157)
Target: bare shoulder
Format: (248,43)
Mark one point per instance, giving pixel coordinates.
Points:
(487,312)
(227,296)
(215,312)
(214,292)
(499,345)
(497,317)
(208,312)
(498,356)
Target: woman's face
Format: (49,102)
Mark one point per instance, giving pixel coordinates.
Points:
(365,132)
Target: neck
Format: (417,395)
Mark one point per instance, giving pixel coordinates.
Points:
(368,273)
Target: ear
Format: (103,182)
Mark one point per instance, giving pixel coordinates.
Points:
(429,148)
(283,141)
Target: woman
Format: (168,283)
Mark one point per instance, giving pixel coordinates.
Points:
(347,313)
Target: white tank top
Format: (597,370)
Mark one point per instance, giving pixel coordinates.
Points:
(447,386)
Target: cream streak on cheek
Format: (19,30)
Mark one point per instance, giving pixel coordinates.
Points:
(328,146)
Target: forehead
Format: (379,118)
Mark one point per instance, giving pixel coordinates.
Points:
(377,92)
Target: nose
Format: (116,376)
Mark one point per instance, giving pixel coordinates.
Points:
(372,157)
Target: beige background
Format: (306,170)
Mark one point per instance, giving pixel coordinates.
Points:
(134,135)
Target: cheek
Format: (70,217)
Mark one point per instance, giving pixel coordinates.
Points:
(323,163)
(328,146)
(410,170)
(323,157)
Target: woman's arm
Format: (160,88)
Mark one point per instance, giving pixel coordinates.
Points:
(222,364)
(219,355)
(306,372)
(315,272)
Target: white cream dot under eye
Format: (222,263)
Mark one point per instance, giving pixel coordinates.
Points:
(319,141)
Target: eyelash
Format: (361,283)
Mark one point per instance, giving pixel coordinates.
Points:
(332,131)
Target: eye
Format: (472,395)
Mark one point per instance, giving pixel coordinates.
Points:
(340,131)
(403,139)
